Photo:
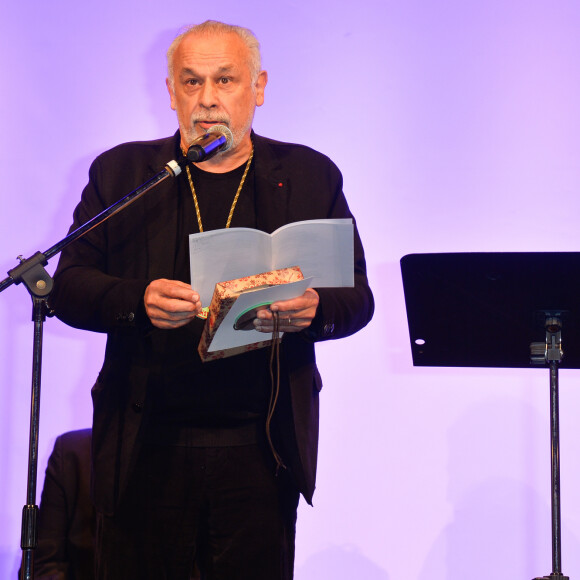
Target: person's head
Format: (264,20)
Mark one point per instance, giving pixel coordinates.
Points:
(214,76)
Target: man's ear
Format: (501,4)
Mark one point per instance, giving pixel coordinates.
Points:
(260,86)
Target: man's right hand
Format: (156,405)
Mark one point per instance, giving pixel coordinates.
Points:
(171,303)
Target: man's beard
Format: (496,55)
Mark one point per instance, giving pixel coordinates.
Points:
(191,132)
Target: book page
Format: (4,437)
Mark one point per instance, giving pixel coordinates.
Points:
(226,254)
(323,249)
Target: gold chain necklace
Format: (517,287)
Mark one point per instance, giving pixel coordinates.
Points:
(198,213)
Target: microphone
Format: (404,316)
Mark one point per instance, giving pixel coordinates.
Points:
(218,138)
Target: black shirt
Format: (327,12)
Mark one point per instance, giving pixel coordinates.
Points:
(226,392)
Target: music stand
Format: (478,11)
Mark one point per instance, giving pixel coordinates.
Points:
(507,310)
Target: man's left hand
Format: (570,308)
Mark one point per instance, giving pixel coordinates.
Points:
(294,315)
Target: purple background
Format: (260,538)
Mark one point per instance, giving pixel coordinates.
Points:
(457,127)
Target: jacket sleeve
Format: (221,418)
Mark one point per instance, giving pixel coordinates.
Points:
(87,292)
(341,311)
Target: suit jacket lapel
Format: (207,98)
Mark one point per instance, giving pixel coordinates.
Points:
(272,187)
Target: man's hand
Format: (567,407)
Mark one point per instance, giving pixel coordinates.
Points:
(294,315)
(171,303)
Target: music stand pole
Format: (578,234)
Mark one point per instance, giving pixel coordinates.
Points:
(487,293)
(553,356)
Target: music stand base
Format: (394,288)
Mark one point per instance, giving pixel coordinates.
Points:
(553,576)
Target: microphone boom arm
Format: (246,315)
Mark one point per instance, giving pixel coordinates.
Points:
(18,274)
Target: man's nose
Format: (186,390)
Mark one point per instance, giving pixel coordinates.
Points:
(208,96)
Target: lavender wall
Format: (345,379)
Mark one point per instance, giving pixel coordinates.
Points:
(457,127)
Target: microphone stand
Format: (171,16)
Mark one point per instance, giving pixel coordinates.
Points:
(39,284)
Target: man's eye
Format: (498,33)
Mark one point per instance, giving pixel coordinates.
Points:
(224,80)
(192,82)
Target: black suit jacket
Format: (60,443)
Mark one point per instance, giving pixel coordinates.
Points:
(66,517)
(101,279)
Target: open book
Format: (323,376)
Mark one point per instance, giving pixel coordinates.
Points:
(229,328)
(323,249)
